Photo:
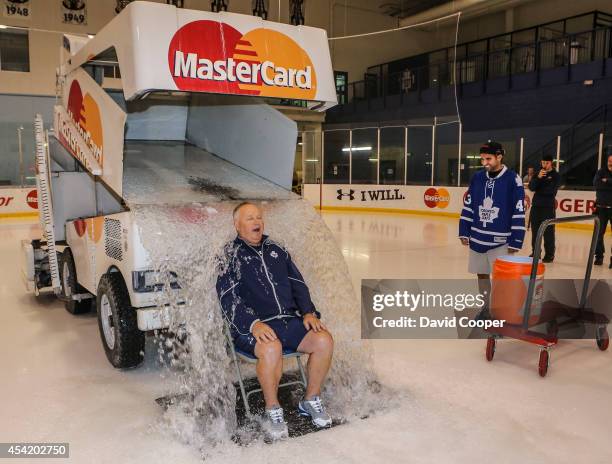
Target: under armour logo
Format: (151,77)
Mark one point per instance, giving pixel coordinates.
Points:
(341,194)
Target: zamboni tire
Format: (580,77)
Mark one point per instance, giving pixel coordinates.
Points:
(123,342)
(70,285)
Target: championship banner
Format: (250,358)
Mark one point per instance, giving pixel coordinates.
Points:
(74,12)
(17,9)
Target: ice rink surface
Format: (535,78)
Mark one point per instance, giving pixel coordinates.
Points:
(57,385)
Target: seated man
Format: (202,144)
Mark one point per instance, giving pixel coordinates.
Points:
(268,307)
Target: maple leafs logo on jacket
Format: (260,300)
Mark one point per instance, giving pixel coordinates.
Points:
(487,212)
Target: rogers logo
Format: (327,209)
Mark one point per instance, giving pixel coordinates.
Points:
(571,205)
(32,199)
(436,198)
(210,56)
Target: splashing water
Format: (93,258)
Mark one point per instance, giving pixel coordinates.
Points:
(188,239)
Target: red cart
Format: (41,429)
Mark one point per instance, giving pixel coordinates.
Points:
(580,314)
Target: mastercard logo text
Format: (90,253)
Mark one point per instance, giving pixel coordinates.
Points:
(85,114)
(209,56)
(436,198)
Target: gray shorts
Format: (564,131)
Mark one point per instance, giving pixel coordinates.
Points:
(482,263)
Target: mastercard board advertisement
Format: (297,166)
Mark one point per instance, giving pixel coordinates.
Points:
(212,56)
(245,55)
(160,47)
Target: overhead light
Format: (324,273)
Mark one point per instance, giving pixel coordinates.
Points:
(91,36)
(300,143)
(3,26)
(311,160)
(357,149)
(373,159)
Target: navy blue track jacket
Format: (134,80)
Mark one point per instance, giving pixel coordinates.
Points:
(260,284)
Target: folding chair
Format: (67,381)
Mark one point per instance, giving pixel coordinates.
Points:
(238,355)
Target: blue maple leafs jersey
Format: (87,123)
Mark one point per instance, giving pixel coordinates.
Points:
(493,211)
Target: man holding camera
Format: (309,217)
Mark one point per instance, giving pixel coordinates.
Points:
(545,186)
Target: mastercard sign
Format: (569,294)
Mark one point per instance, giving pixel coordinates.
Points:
(80,128)
(85,113)
(436,198)
(211,56)
(32,199)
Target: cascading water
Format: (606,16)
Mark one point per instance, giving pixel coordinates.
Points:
(184,217)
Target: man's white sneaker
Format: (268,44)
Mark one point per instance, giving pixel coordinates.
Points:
(314,409)
(274,424)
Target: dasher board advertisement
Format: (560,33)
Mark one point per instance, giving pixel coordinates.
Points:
(18,201)
(437,199)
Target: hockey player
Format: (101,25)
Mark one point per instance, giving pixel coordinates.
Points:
(492,220)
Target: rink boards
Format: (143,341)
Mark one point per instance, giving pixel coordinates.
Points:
(434,200)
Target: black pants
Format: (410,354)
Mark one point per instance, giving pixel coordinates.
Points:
(605,216)
(537,216)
